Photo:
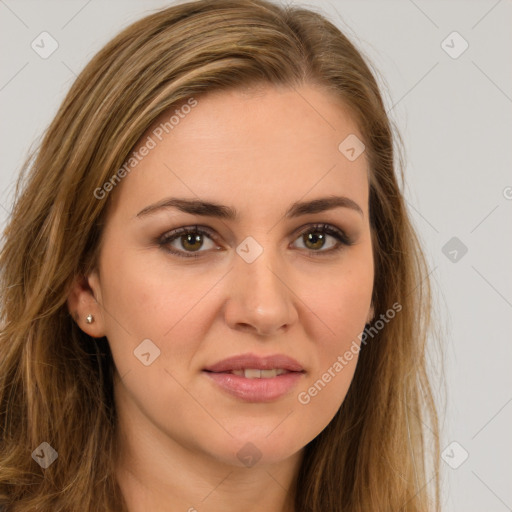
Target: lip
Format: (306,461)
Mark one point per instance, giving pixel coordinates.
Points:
(256,390)
(257,362)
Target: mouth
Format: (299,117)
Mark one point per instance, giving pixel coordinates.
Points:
(254,373)
(254,378)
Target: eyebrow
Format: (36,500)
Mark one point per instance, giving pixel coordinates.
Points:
(211,209)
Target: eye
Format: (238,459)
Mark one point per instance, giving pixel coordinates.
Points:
(316,238)
(189,240)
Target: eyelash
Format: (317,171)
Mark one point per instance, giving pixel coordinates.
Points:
(327,229)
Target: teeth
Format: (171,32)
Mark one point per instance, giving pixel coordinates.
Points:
(251,373)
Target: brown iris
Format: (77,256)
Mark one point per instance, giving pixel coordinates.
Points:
(191,242)
(316,239)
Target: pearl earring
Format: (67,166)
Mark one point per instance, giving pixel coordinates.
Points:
(89,319)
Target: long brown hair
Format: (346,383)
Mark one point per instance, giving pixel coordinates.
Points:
(56,382)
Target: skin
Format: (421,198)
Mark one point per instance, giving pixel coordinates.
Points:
(258,151)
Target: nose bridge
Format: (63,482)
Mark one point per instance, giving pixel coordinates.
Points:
(259,296)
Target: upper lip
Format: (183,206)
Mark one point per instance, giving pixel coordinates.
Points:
(252,361)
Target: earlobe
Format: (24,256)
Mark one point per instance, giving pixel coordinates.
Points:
(84,305)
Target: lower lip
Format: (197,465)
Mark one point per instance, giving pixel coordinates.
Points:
(256,390)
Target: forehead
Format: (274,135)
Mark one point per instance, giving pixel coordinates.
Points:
(249,147)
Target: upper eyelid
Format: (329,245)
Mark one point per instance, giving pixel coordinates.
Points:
(188,229)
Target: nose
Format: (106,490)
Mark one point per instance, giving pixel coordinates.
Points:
(261,301)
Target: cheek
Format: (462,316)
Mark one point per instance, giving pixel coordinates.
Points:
(340,305)
(149,300)
(326,386)
(340,300)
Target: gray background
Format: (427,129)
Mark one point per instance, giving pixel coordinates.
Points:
(455,117)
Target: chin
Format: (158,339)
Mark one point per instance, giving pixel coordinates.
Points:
(258,447)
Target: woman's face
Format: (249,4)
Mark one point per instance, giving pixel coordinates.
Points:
(255,277)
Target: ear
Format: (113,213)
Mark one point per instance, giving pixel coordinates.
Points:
(84,299)
(371,314)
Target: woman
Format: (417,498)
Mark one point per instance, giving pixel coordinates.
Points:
(212,293)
